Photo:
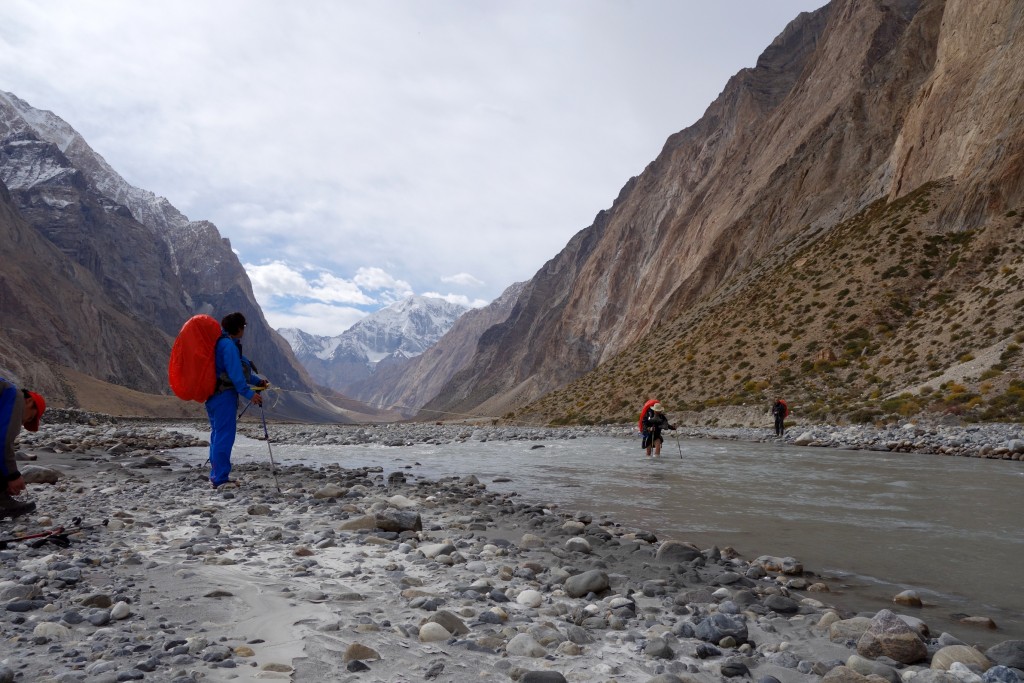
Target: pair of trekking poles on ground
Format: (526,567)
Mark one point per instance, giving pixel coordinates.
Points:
(57,536)
(266,435)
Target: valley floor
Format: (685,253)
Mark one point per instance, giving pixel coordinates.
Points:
(345,575)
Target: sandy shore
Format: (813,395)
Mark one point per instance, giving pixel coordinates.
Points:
(345,575)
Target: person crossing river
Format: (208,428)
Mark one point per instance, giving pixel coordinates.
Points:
(654,422)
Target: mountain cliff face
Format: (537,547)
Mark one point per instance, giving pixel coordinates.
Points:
(56,313)
(94,231)
(387,338)
(146,269)
(854,103)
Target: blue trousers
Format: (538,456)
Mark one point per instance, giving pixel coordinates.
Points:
(220,408)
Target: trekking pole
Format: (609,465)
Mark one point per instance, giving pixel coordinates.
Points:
(43,536)
(678,446)
(58,535)
(266,435)
(247,405)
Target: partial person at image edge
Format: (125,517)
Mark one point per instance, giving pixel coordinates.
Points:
(18,408)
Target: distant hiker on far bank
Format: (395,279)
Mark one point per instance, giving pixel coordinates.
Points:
(235,374)
(18,408)
(654,421)
(780,411)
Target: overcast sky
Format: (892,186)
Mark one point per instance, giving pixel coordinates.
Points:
(356,152)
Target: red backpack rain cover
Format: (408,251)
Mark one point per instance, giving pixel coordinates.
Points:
(643,413)
(192,370)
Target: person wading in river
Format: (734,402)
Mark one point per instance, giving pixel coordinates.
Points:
(655,421)
(780,411)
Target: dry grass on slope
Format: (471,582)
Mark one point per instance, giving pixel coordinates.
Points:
(96,396)
(857,322)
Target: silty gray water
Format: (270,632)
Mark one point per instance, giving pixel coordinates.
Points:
(872,523)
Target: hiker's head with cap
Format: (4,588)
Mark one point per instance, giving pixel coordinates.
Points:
(35,406)
(657,408)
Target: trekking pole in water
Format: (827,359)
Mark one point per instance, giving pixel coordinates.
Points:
(678,446)
(266,435)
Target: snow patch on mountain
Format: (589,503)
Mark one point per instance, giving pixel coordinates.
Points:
(46,124)
(305,344)
(19,117)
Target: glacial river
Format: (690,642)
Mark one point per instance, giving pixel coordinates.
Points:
(872,524)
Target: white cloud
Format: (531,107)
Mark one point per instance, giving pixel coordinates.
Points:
(460,299)
(320,319)
(293,296)
(462,279)
(328,287)
(385,144)
(276,280)
(376,279)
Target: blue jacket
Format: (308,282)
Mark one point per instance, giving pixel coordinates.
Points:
(233,369)
(12,408)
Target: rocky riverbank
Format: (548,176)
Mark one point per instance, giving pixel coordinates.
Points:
(994,440)
(1003,441)
(345,574)
(998,440)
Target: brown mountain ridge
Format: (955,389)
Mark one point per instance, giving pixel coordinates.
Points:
(884,315)
(856,195)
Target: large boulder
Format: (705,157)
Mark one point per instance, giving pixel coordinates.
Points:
(1008,653)
(451,623)
(36,474)
(783,565)
(396,520)
(844,674)
(869,667)
(805,439)
(673,552)
(889,636)
(523,645)
(717,626)
(965,654)
(782,604)
(592,581)
(848,629)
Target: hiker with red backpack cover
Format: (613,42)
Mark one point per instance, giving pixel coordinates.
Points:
(780,411)
(653,420)
(235,373)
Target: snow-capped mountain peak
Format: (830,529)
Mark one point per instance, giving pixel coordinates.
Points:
(404,329)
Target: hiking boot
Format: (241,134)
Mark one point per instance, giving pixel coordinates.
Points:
(11,507)
(230,483)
